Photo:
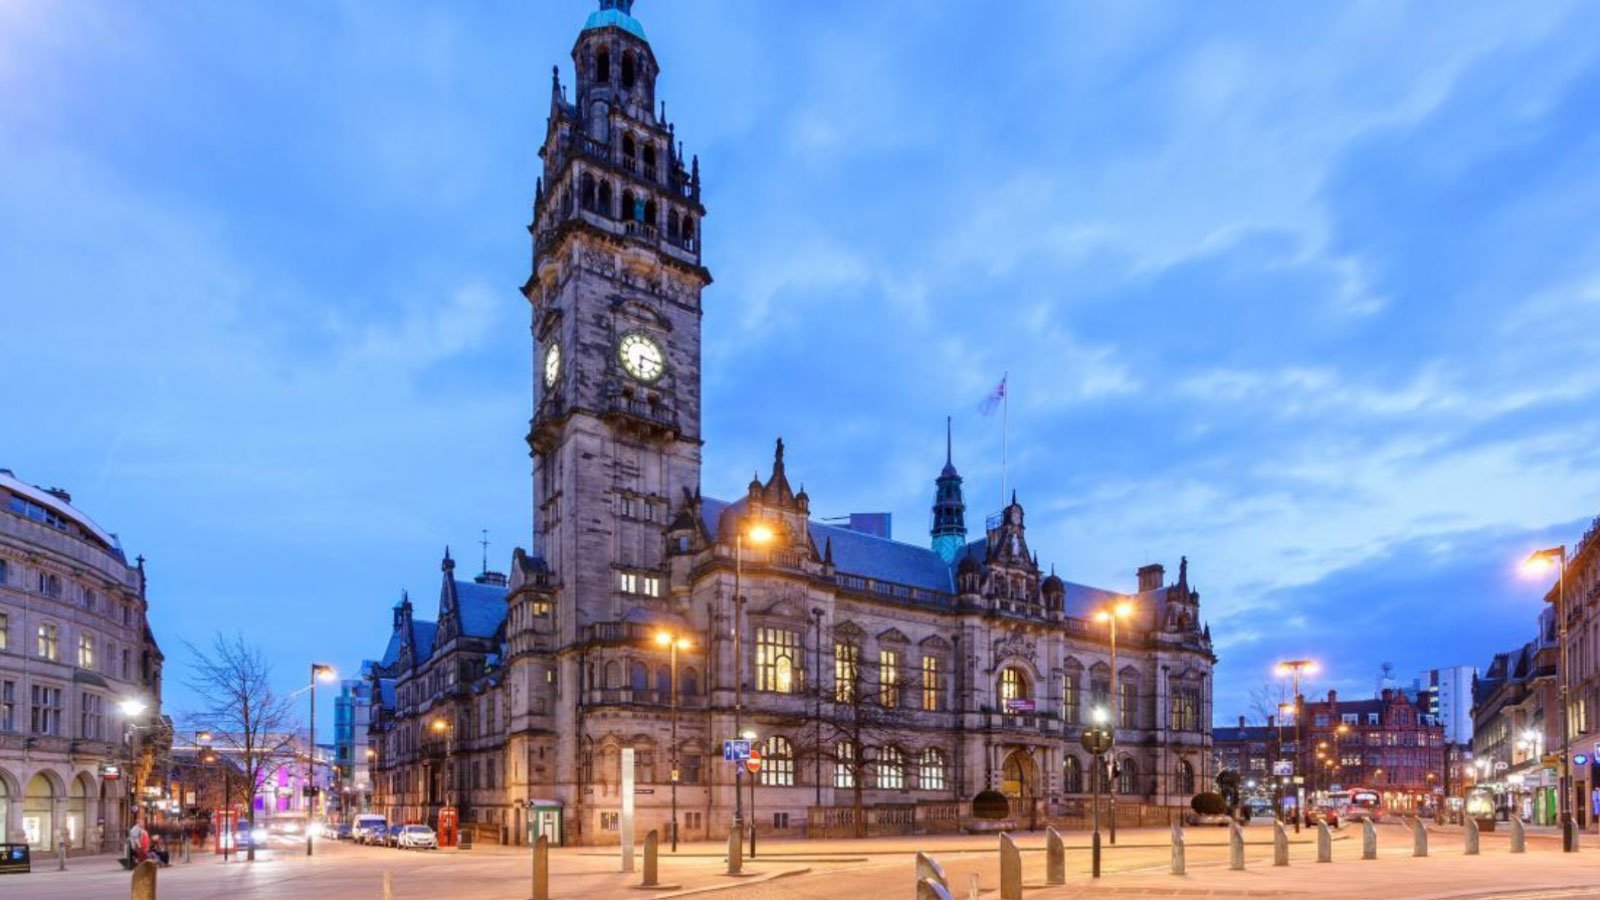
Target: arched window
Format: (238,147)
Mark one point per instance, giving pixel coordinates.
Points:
(844,765)
(892,769)
(586,190)
(650,160)
(672,225)
(613,675)
(930,774)
(602,65)
(1072,776)
(663,684)
(650,213)
(1013,686)
(639,679)
(688,683)
(1185,777)
(632,209)
(628,148)
(630,70)
(777,768)
(600,123)
(1072,697)
(1128,776)
(688,229)
(605,199)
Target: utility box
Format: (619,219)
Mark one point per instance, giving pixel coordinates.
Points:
(546,818)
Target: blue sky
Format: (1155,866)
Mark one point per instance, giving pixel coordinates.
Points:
(1309,293)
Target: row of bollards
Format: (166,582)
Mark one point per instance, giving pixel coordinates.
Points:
(932,884)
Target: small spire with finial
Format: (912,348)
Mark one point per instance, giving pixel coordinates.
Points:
(485,542)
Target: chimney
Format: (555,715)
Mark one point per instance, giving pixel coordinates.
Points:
(59,494)
(1272,722)
(1333,697)
(1241,721)
(1151,577)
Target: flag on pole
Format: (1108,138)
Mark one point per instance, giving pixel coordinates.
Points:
(995,398)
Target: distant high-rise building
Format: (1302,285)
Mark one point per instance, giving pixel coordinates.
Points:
(1447,695)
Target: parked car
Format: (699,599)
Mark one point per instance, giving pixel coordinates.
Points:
(369,828)
(1317,814)
(417,837)
(391,837)
(345,832)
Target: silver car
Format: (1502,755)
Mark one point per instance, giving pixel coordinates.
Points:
(417,837)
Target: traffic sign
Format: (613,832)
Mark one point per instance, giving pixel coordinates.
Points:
(1580,759)
(1283,767)
(753,764)
(735,751)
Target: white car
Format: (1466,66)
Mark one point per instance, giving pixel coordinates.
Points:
(417,837)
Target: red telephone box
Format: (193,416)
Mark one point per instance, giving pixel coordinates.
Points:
(448,826)
(225,830)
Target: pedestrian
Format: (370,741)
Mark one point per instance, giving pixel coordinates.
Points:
(138,842)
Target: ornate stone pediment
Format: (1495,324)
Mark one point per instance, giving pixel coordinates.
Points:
(934,642)
(893,636)
(849,632)
(1017,645)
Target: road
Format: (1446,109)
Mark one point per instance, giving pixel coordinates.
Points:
(871,870)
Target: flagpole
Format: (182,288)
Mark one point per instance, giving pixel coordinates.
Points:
(1005,432)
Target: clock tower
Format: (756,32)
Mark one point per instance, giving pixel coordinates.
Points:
(615,297)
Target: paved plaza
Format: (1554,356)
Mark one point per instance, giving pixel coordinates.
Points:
(857,870)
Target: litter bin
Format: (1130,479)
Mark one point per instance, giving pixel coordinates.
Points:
(465,842)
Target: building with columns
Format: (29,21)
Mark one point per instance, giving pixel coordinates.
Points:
(75,645)
(875,673)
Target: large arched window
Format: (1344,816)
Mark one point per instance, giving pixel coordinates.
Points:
(663,684)
(688,683)
(777,769)
(638,679)
(930,773)
(1072,776)
(1072,696)
(613,675)
(1185,777)
(602,65)
(631,208)
(605,199)
(649,160)
(688,230)
(1128,776)
(1128,703)
(1013,687)
(586,191)
(628,148)
(892,769)
(630,70)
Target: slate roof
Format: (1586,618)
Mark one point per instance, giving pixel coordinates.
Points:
(607,17)
(386,692)
(482,608)
(865,555)
(422,634)
(1236,735)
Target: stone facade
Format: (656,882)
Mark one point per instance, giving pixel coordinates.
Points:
(874,672)
(74,645)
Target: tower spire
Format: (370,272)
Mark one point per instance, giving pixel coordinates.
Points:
(949,529)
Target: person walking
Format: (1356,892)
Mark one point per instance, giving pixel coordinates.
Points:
(138,842)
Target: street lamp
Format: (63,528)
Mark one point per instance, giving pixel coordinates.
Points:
(1293,669)
(758,534)
(131,708)
(674,643)
(1120,609)
(324,672)
(752,737)
(1537,562)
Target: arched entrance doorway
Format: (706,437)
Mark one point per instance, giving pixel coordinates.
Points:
(82,803)
(1020,783)
(38,813)
(5,808)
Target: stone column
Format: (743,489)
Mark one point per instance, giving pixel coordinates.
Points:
(1055,858)
(1010,869)
(1179,861)
(1280,844)
(651,875)
(1472,836)
(1235,847)
(1419,838)
(1369,840)
(1324,843)
(1519,836)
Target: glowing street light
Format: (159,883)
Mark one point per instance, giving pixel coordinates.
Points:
(1539,562)
(1121,608)
(674,643)
(1293,669)
(758,533)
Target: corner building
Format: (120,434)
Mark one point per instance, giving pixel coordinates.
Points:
(906,678)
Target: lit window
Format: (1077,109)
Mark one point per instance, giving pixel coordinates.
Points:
(846,670)
(777,769)
(931,773)
(777,650)
(844,765)
(5,631)
(1070,708)
(932,684)
(85,651)
(628,582)
(892,769)
(1012,687)
(91,728)
(889,678)
(49,642)
(8,706)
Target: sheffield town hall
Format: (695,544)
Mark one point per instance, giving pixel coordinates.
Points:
(879,678)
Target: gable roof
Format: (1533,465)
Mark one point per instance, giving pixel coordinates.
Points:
(482,608)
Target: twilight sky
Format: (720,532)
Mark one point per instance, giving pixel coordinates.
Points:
(1309,293)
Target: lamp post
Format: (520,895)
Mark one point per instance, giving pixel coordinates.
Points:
(1293,668)
(759,534)
(324,672)
(1540,559)
(674,643)
(751,736)
(1097,739)
(1121,609)
(447,728)
(227,825)
(131,708)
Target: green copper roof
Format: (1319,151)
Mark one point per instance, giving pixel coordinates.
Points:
(606,17)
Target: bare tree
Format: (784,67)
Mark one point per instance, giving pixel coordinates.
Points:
(246,717)
(1267,702)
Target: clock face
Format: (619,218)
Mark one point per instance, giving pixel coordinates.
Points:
(642,357)
(552,365)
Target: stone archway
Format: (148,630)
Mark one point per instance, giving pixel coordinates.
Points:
(1019,781)
(83,811)
(10,808)
(39,802)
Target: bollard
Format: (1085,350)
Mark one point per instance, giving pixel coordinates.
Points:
(1010,869)
(1472,836)
(1324,843)
(928,867)
(1519,836)
(1179,863)
(929,889)
(735,852)
(1419,838)
(1280,844)
(61,856)
(972,892)
(1055,863)
(541,868)
(1235,847)
(388,885)
(144,881)
(651,873)
(1369,839)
